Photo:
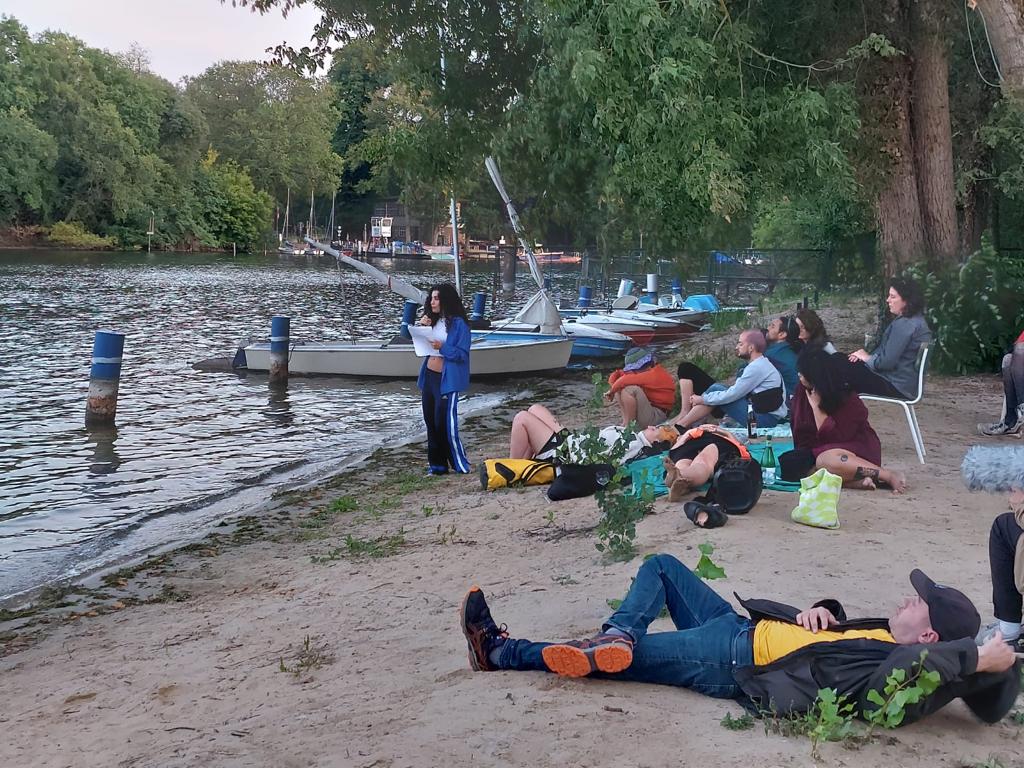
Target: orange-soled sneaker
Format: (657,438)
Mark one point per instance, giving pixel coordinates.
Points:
(601,653)
(482,634)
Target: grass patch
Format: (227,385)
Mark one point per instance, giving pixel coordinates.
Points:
(742,723)
(309,656)
(730,319)
(355,548)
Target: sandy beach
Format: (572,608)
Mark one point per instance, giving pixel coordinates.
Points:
(323,631)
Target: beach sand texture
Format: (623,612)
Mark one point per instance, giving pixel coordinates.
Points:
(218,671)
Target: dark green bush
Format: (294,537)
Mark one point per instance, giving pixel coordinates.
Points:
(975,311)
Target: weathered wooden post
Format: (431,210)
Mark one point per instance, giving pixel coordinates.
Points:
(104,379)
(508,268)
(279,332)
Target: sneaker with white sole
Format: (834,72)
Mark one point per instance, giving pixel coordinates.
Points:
(1001,428)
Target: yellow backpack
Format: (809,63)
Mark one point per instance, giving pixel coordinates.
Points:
(509,473)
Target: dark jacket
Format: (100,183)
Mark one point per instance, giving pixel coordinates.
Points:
(855,667)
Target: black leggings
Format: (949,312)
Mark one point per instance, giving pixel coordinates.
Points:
(864,381)
(701,380)
(1002,546)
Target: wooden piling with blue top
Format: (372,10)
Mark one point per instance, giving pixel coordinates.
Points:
(279,332)
(104,378)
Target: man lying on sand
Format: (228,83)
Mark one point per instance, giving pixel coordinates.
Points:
(776,660)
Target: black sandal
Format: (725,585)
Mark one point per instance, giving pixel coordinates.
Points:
(716,516)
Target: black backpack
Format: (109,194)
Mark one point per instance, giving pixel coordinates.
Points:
(736,486)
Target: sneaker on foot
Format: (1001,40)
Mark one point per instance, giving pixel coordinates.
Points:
(1000,428)
(482,634)
(986,632)
(601,653)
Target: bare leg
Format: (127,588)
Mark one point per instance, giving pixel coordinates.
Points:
(860,473)
(626,401)
(542,413)
(690,474)
(529,433)
(693,416)
(685,391)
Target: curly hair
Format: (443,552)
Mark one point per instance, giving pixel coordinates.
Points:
(451,304)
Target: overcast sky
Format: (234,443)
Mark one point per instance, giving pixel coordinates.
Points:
(183,37)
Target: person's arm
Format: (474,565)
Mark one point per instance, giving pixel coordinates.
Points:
(964,669)
(615,376)
(456,346)
(890,349)
(624,379)
(752,376)
(846,423)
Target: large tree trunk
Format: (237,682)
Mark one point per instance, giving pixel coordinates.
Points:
(933,138)
(1005,22)
(901,233)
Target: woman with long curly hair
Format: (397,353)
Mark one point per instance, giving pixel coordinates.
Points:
(443,376)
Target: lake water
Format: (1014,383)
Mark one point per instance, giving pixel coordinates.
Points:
(190,447)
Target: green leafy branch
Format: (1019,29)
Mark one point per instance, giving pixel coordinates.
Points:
(901,690)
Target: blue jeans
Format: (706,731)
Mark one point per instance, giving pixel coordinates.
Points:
(711,639)
(737,410)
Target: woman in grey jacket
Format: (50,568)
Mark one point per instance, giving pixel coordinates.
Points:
(891,370)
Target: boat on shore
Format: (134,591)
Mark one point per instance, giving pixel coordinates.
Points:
(396,358)
(587,341)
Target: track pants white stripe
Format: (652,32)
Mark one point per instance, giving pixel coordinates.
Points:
(454,443)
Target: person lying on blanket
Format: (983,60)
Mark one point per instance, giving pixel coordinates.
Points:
(692,461)
(778,659)
(831,429)
(537,434)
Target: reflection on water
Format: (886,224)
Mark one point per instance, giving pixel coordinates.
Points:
(186,441)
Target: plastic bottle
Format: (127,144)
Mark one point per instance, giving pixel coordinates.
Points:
(768,463)
(751,422)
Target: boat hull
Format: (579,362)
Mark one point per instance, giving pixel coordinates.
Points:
(383,359)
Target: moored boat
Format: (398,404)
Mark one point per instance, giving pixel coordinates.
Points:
(397,359)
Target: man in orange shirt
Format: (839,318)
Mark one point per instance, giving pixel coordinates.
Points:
(644,391)
(778,659)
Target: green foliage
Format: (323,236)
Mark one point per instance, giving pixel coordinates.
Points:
(730,319)
(354,547)
(233,209)
(707,568)
(742,723)
(73,235)
(620,512)
(601,386)
(28,157)
(900,690)
(271,121)
(975,312)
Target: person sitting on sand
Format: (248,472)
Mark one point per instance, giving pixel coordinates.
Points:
(537,434)
(782,337)
(831,423)
(779,658)
(760,385)
(644,391)
(891,370)
(1012,422)
(812,330)
(1006,561)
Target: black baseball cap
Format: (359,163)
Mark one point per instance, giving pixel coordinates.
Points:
(951,612)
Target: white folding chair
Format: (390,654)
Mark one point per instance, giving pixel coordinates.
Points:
(908,405)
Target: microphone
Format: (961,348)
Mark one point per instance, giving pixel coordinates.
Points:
(993,468)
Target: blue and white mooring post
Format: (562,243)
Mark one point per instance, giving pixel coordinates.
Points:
(652,287)
(104,378)
(479,305)
(677,289)
(625,288)
(586,293)
(279,332)
(408,317)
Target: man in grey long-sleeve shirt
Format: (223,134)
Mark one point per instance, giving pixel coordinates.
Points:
(759,385)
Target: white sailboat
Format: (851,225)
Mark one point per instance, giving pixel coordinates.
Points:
(287,247)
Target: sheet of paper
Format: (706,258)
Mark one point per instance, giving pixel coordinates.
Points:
(422,335)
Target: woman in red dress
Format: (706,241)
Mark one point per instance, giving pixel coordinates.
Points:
(830,423)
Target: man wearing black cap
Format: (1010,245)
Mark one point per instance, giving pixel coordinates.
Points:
(779,658)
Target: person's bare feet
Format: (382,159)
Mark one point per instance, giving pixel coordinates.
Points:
(670,471)
(895,480)
(678,489)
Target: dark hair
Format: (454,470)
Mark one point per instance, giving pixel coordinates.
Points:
(451,304)
(792,333)
(827,376)
(816,335)
(911,293)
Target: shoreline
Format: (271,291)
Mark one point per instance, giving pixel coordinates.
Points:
(325,632)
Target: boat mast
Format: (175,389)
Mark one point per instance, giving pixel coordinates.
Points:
(451,199)
(287,206)
(330,227)
(310,225)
